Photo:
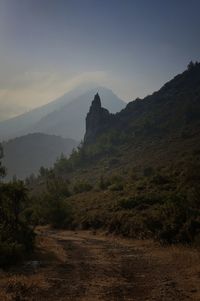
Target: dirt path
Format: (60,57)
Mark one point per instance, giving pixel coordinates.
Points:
(84,266)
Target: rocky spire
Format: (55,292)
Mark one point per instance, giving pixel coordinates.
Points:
(96,103)
(96,119)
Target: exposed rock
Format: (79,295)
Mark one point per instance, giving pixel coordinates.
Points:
(97,120)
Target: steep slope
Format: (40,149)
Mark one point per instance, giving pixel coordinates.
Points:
(172,111)
(69,121)
(160,130)
(26,154)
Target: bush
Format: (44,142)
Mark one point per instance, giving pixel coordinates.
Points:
(104,183)
(82,187)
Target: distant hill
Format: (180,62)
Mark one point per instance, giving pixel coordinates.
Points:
(64,116)
(26,154)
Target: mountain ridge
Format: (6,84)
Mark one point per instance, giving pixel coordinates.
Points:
(69,121)
(41,119)
(161,130)
(173,107)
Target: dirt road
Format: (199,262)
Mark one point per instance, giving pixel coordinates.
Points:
(88,266)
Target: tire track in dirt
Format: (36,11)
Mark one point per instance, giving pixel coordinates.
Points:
(80,266)
(102,269)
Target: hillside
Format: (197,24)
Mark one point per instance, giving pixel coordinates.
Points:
(162,127)
(173,110)
(64,116)
(137,172)
(26,154)
(160,130)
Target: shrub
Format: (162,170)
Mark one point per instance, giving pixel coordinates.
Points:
(104,183)
(80,187)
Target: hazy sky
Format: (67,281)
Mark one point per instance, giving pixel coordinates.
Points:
(48,47)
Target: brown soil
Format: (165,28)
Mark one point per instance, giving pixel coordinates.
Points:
(88,266)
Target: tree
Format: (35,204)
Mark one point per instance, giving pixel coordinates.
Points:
(16,237)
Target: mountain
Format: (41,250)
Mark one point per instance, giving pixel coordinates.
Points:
(26,154)
(19,125)
(69,120)
(172,112)
(137,172)
(64,116)
(160,130)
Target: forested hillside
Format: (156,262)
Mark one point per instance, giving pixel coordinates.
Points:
(137,172)
(25,155)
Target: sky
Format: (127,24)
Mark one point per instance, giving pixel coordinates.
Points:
(48,47)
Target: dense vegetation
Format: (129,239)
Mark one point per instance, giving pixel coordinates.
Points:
(16,238)
(159,203)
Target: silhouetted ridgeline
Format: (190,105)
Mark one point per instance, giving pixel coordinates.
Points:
(172,111)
